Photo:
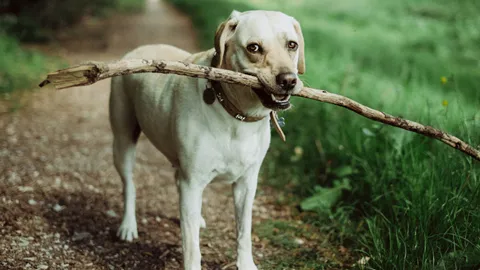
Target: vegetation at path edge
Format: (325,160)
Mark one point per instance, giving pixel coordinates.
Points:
(400,199)
(23,21)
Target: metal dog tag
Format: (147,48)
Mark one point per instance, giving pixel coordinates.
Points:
(209,95)
(281,121)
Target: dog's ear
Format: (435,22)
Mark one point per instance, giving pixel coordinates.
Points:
(301,47)
(224,31)
(234,14)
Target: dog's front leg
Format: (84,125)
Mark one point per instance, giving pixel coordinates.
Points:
(244,194)
(190,220)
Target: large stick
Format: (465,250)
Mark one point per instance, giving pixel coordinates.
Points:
(92,72)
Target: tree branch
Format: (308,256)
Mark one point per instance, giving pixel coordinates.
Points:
(92,72)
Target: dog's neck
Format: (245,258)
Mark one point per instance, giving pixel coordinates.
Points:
(242,97)
(245,100)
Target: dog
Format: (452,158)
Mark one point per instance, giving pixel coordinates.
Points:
(209,130)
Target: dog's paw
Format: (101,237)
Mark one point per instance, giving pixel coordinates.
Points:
(128,230)
(203,224)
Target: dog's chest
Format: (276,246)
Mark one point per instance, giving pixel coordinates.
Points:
(234,156)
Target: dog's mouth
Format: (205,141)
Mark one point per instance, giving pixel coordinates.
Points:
(272,101)
(269,99)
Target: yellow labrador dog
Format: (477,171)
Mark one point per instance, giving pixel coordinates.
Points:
(207,130)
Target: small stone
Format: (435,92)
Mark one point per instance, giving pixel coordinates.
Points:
(32,202)
(23,242)
(10,130)
(58,181)
(144,221)
(363,260)
(80,236)
(25,189)
(299,241)
(78,176)
(158,219)
(42,267)
(49,168)
(58,208)
(111,213)
(13,178)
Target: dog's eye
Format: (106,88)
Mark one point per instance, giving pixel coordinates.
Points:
(254,48)
(292,45)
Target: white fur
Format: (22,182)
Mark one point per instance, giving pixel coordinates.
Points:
(203,142)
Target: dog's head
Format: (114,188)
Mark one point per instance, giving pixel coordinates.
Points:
(265,44)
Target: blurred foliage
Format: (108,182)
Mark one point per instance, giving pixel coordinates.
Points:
(412,202)
(130,5)
(19,67)
(35,20)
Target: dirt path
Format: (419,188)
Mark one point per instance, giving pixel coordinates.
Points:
(60,197)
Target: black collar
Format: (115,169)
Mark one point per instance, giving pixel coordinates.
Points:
(215,89)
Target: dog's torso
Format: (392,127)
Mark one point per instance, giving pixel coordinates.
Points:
(198,138)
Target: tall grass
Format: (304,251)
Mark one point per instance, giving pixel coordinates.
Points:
(414,201)
(20,68)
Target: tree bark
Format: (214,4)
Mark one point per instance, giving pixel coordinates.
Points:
(92,72)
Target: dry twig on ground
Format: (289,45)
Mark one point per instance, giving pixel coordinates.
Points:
(92,72)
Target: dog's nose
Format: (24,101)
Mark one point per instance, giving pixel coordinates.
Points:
(287,80)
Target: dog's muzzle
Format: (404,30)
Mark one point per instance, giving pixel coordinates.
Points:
(273,101)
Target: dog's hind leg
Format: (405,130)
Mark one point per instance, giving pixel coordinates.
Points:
(125,132)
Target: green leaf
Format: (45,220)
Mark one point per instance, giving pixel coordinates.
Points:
(344,171)
(325,198)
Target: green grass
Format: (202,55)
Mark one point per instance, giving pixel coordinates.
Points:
(413,202)
(297,246)
(21,68)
